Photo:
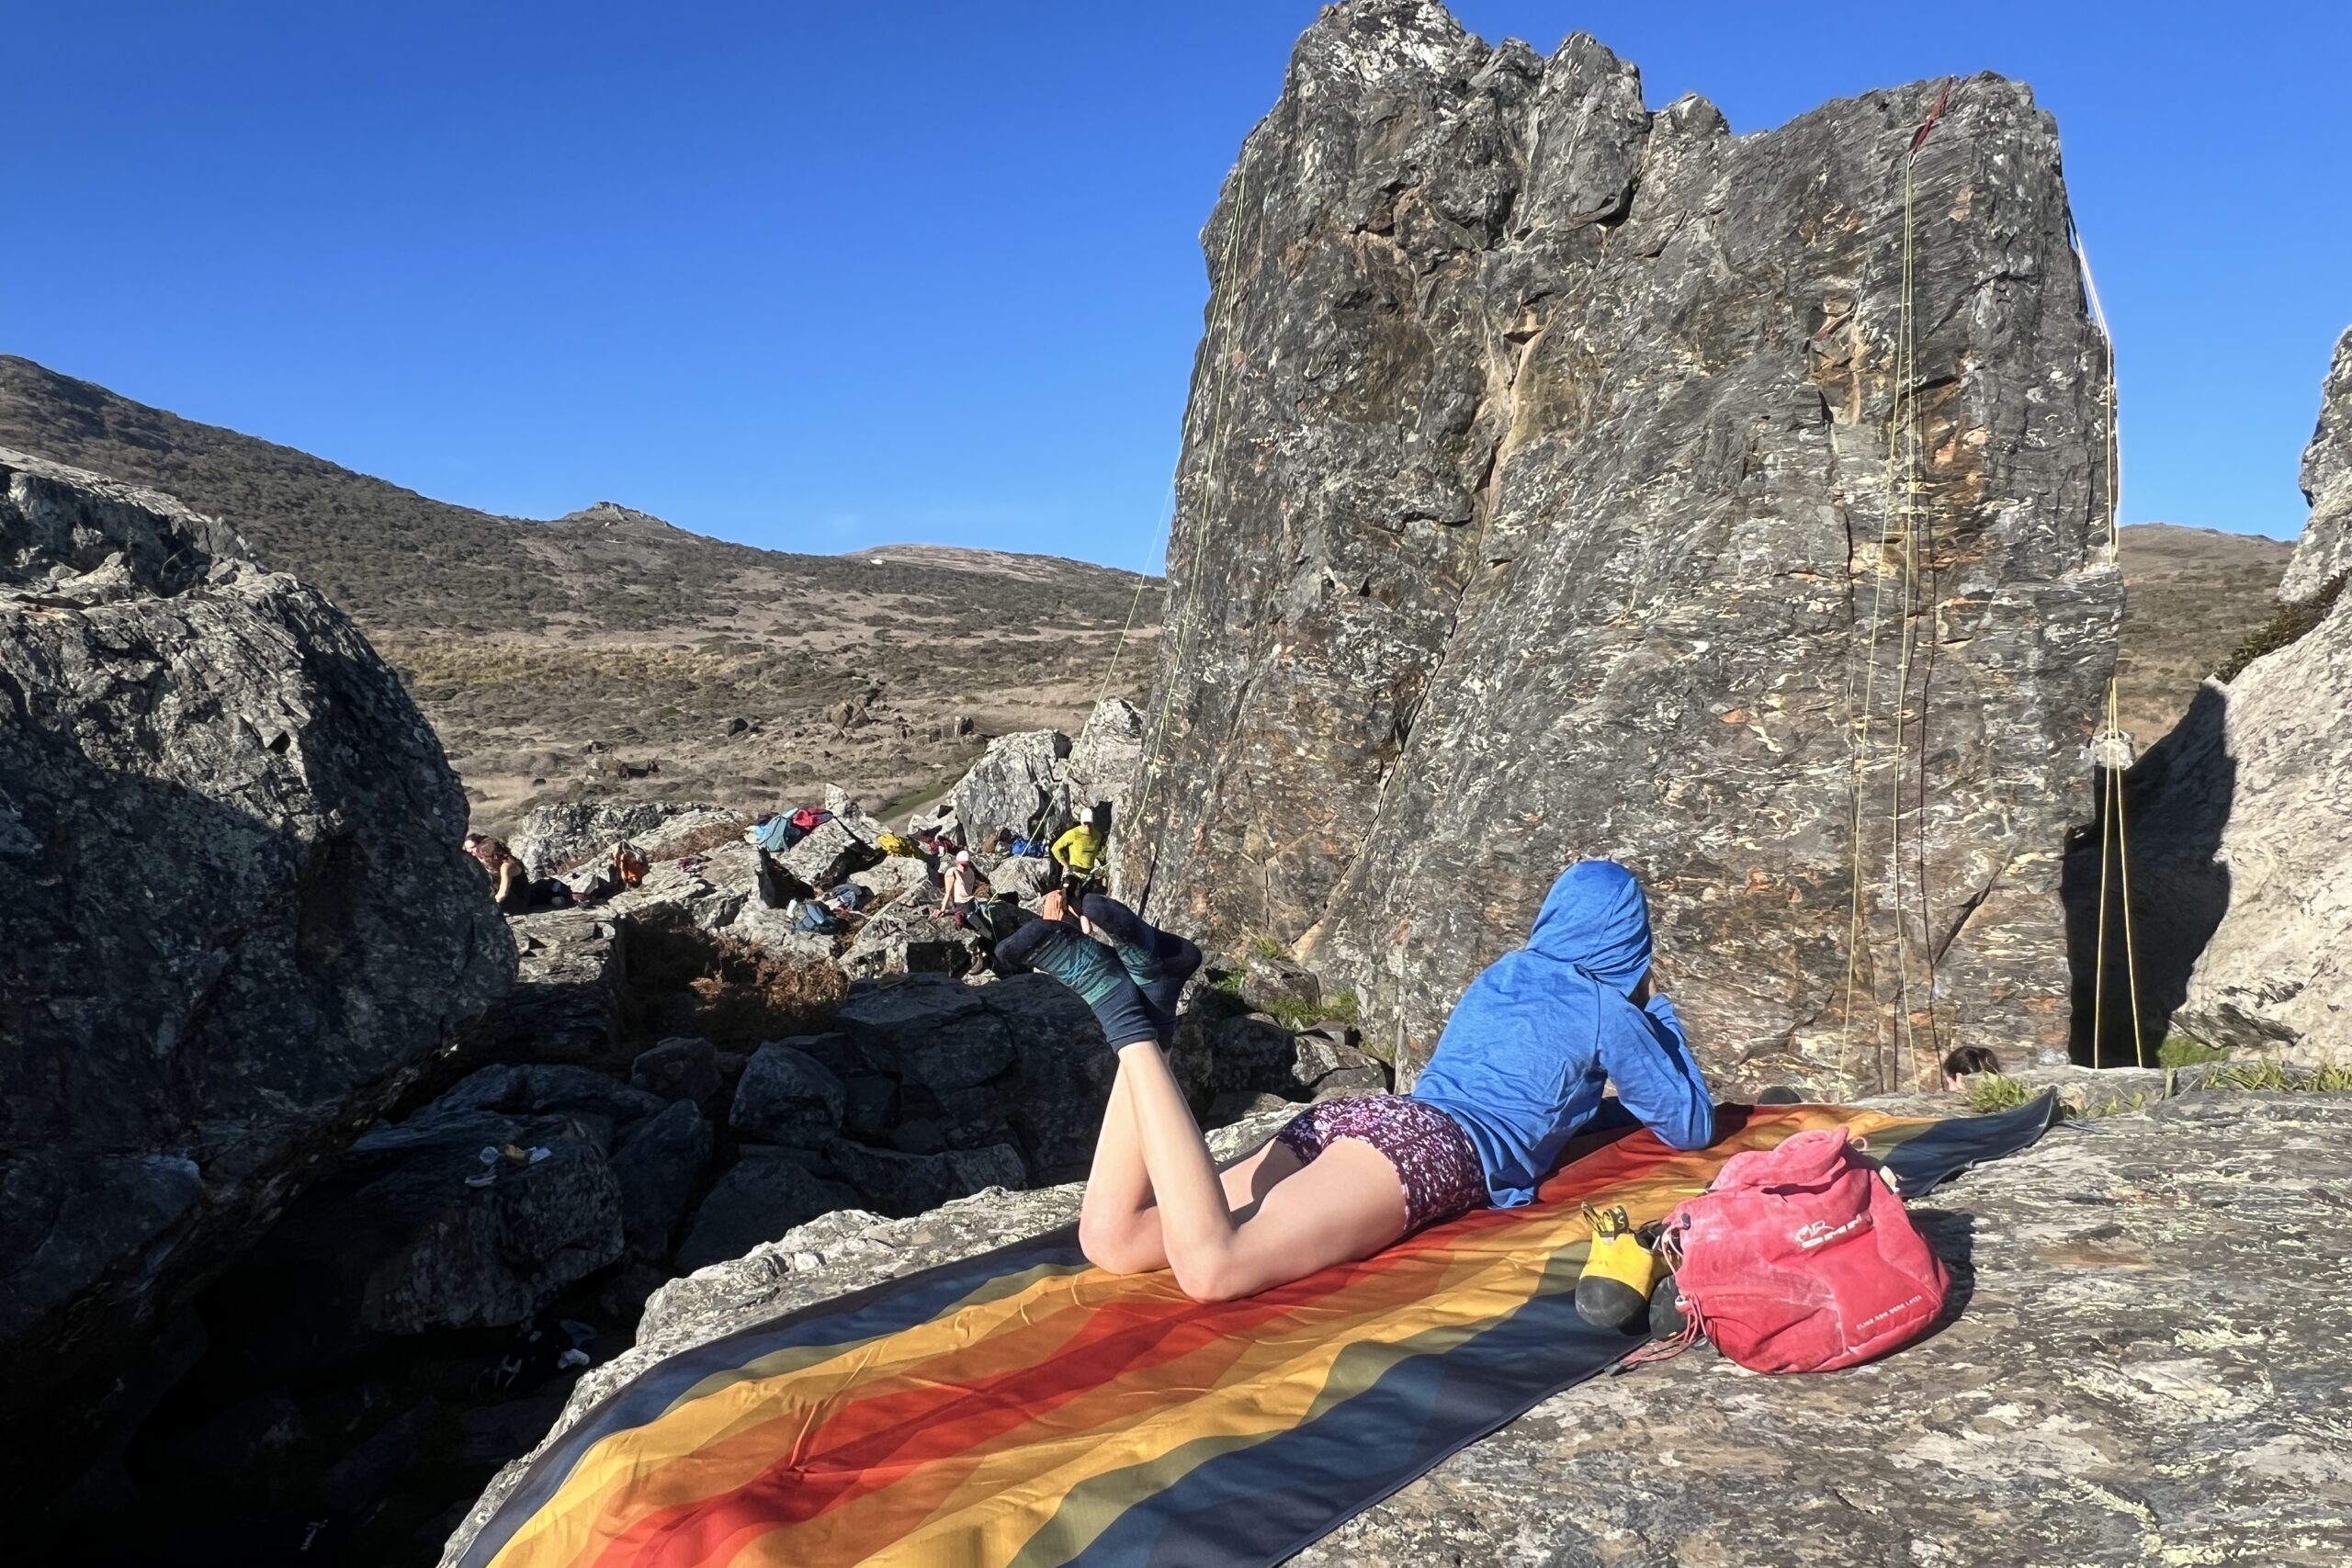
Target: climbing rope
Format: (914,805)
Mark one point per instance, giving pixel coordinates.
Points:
(2111,750)
(1900,523)
(2112,755)
(2113,443)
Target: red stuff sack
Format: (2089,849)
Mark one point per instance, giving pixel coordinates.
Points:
(1801,1258)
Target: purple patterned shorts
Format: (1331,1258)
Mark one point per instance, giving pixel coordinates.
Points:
(1431,1155)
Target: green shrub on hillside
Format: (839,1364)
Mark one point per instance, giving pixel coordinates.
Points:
(2289,626)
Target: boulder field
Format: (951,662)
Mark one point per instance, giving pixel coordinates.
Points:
(1560,477)
(677,1077)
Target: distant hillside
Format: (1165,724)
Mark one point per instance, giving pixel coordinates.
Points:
(2191,594)
(562,657)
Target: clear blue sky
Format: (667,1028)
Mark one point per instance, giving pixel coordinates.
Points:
(825,276)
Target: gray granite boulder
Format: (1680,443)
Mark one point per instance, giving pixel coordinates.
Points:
(897,1183)
(2325,551)
(1105,759)
(1017,783)
(707,889)
(1026,876)
(1269,981)
(908,938)
(762,1195)
(787,1096)
(659,1164)
(678,1068)
(238,919)
(827,855)
(1326,1068)
(565,1004)
(594,1101)
(928,1030)
(397,1243)
(1534,505)
(562,834)
(895,876)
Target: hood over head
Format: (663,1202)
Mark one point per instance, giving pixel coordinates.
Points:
(1595,919)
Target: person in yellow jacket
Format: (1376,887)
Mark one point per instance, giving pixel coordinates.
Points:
(1079,852)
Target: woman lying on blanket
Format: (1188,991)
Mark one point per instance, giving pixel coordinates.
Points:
(1519,1070)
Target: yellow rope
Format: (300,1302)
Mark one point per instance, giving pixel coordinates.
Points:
(2115,847)
(1898,518)
(2124,873)
(1904,436)
(2111,781)
(2113,828)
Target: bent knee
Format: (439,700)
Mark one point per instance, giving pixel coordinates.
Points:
(1116,1249)
(1213,1280)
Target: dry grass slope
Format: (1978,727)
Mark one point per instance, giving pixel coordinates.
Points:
(610,653)
(2191,596)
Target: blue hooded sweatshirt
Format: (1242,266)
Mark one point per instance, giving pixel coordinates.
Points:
(1523,1059)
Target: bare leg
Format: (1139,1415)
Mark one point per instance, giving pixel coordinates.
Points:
(1347,1204)
(1118,1223)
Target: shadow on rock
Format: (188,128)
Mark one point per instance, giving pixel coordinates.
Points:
(2176,804)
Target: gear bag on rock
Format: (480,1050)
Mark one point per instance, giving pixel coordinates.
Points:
(1801,1258)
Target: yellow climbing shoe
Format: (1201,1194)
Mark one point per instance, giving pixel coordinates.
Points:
(1618,1272)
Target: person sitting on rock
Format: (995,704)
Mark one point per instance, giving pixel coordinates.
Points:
(959,889)
(511,887)
(509,878)
(1159,962)
(1520,1069)
(1078,854)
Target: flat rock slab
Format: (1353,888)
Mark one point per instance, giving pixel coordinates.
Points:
(2153,1335)
(2148,1366)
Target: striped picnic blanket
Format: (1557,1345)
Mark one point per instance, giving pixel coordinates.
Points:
(1020,1409)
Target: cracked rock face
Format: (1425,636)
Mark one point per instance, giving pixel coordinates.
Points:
(2145,1367)
(238,915)
(1535,503)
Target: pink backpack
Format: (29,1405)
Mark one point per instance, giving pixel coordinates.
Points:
(1801,1258)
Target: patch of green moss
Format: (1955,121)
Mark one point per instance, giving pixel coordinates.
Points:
(1342,1008)
(2180,1051)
